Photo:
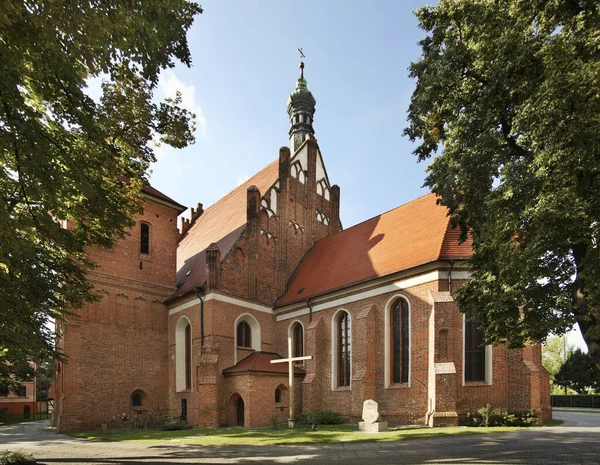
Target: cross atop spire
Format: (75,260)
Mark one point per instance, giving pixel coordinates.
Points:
(302,56)
(301,109)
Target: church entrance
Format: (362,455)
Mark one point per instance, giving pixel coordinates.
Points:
(239,412)
(236,410)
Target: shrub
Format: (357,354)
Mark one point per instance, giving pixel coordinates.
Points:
(176,426)
(488,416)
(319,417)
(16,458)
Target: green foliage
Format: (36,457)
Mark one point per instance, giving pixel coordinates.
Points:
(68,159)
(319,417)
(507,96)
(579,373)
(176,426)
(491,417)
(140,419)
(275,423)
(553,353)
(16,458)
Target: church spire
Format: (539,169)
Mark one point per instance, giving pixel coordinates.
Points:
(301,109)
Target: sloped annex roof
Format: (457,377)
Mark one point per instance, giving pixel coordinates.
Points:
(410,235)
(260,362)
(223,223)
(152,191)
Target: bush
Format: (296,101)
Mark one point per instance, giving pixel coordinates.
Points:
(176,426)
(488,416)
(16,458)
(319,417)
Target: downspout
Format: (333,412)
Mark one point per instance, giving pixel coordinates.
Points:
(450,276)
(197,290)
(309,310)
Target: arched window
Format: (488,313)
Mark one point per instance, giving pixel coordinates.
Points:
(277,396)
(297,340)
(244,334)
(136,399)
(475,350)
(188,357)
(145,238)
(343,344)
(183,355)
(399,338)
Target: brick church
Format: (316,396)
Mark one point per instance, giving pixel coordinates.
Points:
(190,318)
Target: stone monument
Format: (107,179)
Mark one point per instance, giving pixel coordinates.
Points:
(370,416)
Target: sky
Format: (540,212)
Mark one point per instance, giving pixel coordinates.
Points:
(244,66)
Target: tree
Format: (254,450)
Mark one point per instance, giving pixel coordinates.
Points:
(579,373)
(553,357)
(507,98)
(553,354)
(68,159)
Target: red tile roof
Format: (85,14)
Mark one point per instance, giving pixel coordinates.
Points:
(148,189)
(223,223)
(261,362)
(413,234)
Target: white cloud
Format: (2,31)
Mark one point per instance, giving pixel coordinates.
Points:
(242,178)
(169,84)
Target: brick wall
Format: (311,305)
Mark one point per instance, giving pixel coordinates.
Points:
(119,345)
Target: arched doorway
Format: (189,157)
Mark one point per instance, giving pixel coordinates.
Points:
(239,412)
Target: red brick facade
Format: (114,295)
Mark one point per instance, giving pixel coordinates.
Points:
(257,257)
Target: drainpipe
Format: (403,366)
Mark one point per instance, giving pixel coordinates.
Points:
(309,310)
(450,276)
(197,290)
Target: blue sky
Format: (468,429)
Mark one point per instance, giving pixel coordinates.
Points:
(245,64)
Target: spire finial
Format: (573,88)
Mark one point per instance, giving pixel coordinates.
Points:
(302,56)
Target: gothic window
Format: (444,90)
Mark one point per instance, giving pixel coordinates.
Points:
(297,340)
(244,334)
(183,355)
(343,348)
(188,357)
(399,338)
(277,396)
(475,356)
(136,399)
(145,238)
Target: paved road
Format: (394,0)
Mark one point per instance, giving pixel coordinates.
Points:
(577,441)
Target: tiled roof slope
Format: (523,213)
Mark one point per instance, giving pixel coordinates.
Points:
(148,189)
(413,234)
(261,362)
(222,222)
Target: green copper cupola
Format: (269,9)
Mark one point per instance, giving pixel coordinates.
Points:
(301,110)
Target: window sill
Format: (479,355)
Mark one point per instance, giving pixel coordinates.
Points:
(398,386)
(342,388)
(476,384)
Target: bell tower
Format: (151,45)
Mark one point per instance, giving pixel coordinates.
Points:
(301,110)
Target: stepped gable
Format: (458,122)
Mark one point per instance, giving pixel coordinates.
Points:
(410,235)
(261,362)
(223,223)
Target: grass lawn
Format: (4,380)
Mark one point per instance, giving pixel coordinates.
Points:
(266,436)
(11,419)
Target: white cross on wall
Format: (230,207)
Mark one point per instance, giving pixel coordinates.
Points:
(290,361)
